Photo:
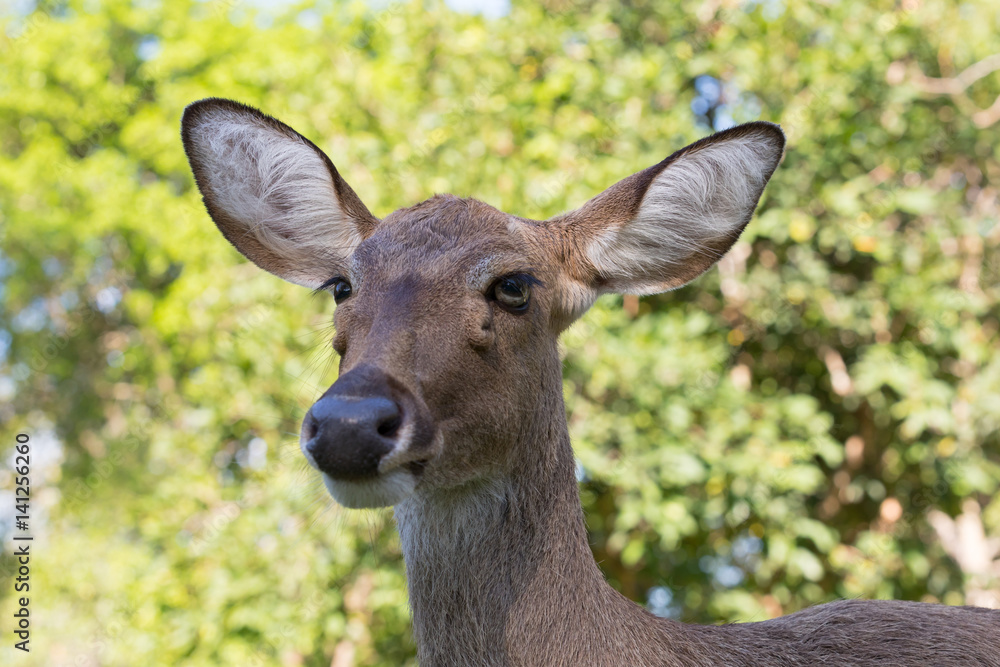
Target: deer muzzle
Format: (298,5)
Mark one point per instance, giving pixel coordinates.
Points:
(370,438)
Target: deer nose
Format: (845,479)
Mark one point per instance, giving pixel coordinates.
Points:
(347,436)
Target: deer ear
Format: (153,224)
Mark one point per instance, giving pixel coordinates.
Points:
(664,226)
(272,193)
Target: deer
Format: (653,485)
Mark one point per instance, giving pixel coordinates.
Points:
(448,405)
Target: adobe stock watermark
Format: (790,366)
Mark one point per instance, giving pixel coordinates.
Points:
(56,341)
(22,541)
(18,33)
(100,647)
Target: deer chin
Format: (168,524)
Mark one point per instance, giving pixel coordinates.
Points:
(381,491)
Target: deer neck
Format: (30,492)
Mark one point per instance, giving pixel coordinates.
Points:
(497,570)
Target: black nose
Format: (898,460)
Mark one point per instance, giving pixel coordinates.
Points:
(347,436)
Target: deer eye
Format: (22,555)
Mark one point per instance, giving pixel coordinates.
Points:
(341,289)
(339,286)
(512,293)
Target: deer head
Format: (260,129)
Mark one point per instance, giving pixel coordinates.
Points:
(448,311)
(449,401)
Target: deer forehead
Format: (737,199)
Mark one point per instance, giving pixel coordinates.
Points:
(448,240)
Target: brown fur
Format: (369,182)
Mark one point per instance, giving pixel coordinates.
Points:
(499,568)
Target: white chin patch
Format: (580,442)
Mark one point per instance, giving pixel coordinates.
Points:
(383,491)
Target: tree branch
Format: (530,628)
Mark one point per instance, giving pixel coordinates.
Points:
(957,85)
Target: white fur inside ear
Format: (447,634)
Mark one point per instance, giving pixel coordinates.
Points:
(276,188)
(690,209)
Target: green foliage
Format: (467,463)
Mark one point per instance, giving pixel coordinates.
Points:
(177,524)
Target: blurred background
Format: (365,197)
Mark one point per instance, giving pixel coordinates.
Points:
(818,418)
